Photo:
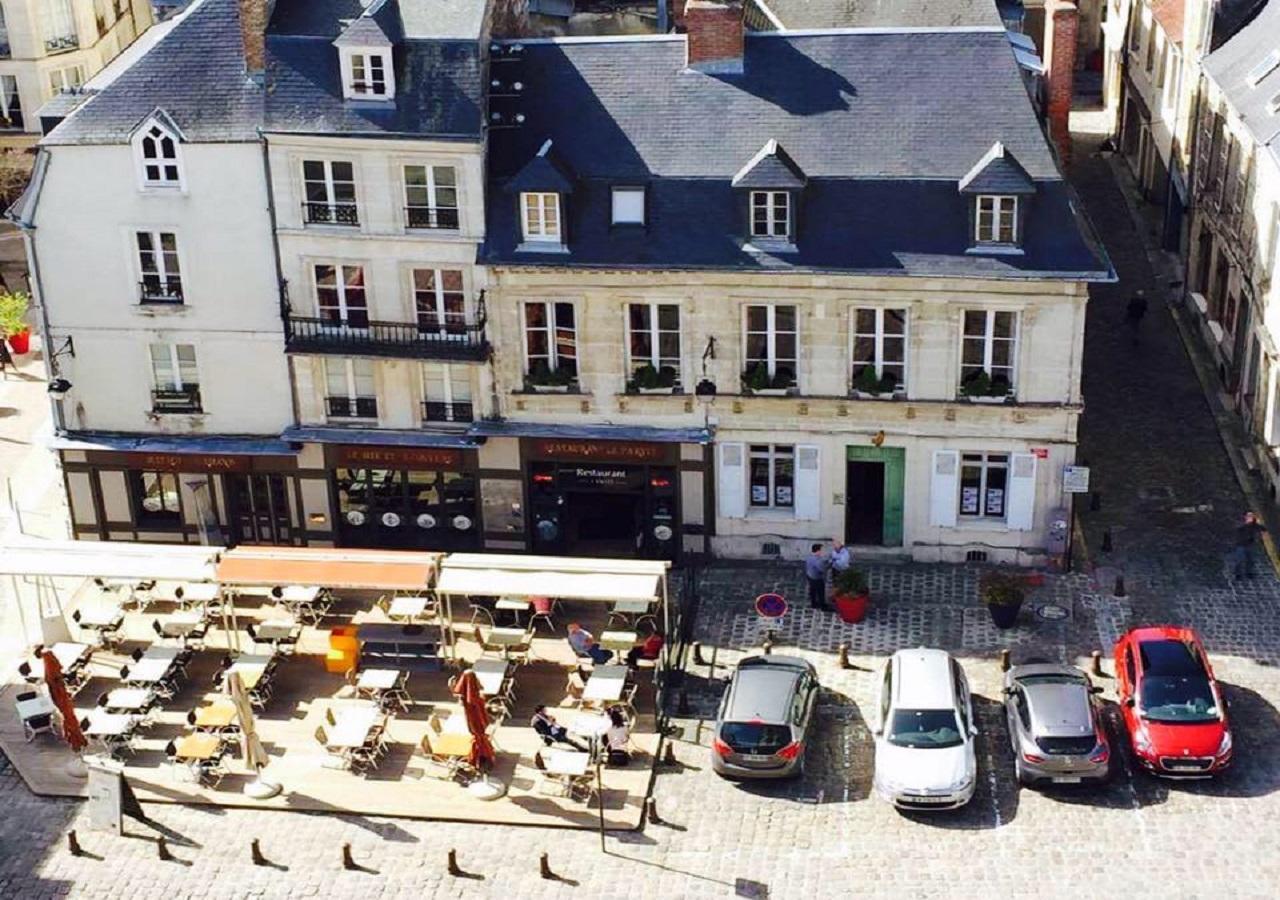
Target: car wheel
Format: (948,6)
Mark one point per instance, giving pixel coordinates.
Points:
(1023,779)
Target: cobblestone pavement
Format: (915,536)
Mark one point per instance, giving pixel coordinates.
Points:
(825,834)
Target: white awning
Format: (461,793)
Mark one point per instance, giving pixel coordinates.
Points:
(493,575)
(94,559)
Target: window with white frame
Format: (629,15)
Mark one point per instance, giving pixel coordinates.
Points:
(431,196)
(58,26)
(329,189)
(990,347)
(653,339)
(540,217)
(1151,34)
(446,392)
(771,214)
(1173,78)
(771,340)
(771,476)
(439,301)
(997,219)
(351,391)
(160,278)
(176,379)
(551,338)
(10,102)
(340,295)
(879,349)
(628,206)
(67,79)
(369,74)
(158,157)
(984,484)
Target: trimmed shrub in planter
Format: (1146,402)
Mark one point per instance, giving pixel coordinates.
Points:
(850,594)
(1003,593)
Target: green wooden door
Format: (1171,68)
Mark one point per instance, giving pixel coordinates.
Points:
(895,473)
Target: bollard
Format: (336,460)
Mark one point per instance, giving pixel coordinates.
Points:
(669,755)
(544,868)
(1119,591)
(73,844)
(1095,662)
(844,656)
(1106,541)
(651,810)
(453,863)
(162,849)
(347,862)
(255,853)
(1095,501)
(1004,660)
(682,703)
(767,647)
(697,654)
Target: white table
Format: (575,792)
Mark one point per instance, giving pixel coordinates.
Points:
(277,630)
(409,606)
(128,700)
(101,617)
(110,725)
(491,674)
(302,594)
(618,640)
(250,666)
(516,605)
(200,592)
(40,706)
(153,667)
(572,763)
(588,725)
(378,679)
(606,683)
(181,624)
(508,637)
(354,725)
(632,607)
(69,655)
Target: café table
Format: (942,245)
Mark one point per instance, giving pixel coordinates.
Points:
(101,616)
(407,606)
(620,641)
(40,705)
(571,763)
(628,610)
(508,638)
(516,605)
(69,655)
(129,700)
(216,716)
(155,664)
(492,675)
(605,684)
(355,722)
(250,667)
(182,624)
(197,593)
(111,731)
(197,747)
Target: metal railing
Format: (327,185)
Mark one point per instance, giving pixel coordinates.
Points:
(330,213)
(157,290)
(449,340)
(352,407)
(61,43)
(176,400)
(431,216)
(435,411)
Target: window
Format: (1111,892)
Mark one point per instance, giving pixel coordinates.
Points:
(431,196)
(67,79)
(351,390)
(10,103)
(772,476)
(1162,64)
(772,343)
(161,280)
(551,341)
(1151,46)
(340,295)
(770,214)
(155,498)
(159,152)
(330,191)
(879,349)
(653,337)
(541,217)
(989,346)
(58,26)
(368,75)
(997,220)
(628,206)
(1135,27)
(1173,81)
(4,34)
(984,480)
(439,301)
(446,393)
(176,379)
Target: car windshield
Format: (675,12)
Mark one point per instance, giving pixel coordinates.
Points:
(1054,678)
(1178,698)
(924,729)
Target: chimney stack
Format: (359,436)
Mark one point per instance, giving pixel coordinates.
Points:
(253,34)
(715,34)
(1062,18)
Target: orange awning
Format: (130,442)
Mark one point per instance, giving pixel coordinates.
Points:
(379,570)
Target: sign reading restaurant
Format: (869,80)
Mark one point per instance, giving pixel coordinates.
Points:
(398,457)
(191,462)
(613,451)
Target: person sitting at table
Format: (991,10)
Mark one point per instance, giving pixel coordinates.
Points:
(649,648)
(617,737)
(551,731)
(584,643)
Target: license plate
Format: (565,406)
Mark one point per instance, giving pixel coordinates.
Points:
(756,758)
(1066,779)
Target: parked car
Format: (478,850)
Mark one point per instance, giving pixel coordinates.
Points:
(762,728)
(1171,704)
(1055,725)
(924,732)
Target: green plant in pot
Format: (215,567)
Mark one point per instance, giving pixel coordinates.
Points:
(13,320)
(1003,593)
(866,381)
(888,384)
(542,375)
(755,378)
(648,378)
(851,593)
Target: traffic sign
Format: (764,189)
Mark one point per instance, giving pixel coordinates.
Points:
(771,606)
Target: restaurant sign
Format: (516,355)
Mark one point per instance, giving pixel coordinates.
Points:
(608,451)
(190,462)
(398,457)
(603,477)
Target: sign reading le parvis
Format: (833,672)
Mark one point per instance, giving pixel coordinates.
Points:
(1075,479)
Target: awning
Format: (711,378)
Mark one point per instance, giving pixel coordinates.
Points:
(116,560)
(571,578)
(163,443)
(592,432)
(378,436)
(379,570)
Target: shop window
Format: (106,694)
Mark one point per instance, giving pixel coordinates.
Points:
(405,507)
(879,350)
(984,483)
(772,344)
(155,499)
(653,340)
(772,476)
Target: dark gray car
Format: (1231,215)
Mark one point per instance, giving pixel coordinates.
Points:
(763,724)
(1055,725)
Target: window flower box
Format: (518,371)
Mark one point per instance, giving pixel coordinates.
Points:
(867,385)
(541,379)
(878,395)
(757,381)
(982,388)
(650,380)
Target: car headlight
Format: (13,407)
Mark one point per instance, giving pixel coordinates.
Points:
(1141,741)
(1225,747)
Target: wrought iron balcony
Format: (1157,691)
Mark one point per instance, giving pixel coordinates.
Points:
(185,399)
(160,291)
(431,217)
(448,340)
(434,411)
(352,407)
(330,213)
(61,43)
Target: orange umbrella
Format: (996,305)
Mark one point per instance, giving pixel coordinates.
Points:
(467,689)
(57,687)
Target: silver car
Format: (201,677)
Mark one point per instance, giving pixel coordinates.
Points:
(1055,725)
(763,724)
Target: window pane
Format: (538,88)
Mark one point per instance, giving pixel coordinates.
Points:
(864,351)
(973,353)
(895,321)
(757,318)
(757,347)
(894,349)
(363,369)
(444,176)
(669,317)
(785,318)
(535,314)
(641,346)
(759,481)
(864,321)
(975,322)
(669,347)
(638,316)
(785,348)
(970,490)
(993,499)
(1003,324)
(335,377)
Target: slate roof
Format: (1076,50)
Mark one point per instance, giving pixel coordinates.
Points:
(799,14)
(363,32)
(883,146)
(997,173)
(771,167)
(545,172)
(1229,67)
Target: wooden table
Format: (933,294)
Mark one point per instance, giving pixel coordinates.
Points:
(354,725)
(69,655)
(216,715)
(492,675)
(153,667)
(452,743)
(618,640)
(197,747)
(606,683)
(129,700)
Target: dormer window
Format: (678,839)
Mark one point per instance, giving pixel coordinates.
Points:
(772,182)
(365,52)
(771,214)
(368,75)
(999,192)
(157,155)
(541,188)
(540,217)
(997,219)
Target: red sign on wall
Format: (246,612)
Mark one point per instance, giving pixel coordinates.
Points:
(1040,452)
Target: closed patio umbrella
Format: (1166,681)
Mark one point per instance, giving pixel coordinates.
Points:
(467,689)
(251,749)
(57,687)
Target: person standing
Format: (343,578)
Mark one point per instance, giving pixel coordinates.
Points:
(1245,550)
(1134,313)
(815,572)
(840,559)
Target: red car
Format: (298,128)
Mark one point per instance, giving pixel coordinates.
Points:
(1172,707)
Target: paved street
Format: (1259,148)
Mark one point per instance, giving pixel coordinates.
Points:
(824,834)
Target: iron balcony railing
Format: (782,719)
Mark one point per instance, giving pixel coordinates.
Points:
(160,290)
(431,216)
(330,213)
(428,339)
(352,407)
(61,43)
(185,399)
(435,411)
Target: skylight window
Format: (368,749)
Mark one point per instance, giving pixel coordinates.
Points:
(1273,105)
(1264,68)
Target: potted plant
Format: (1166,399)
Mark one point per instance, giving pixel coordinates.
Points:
(649,380)
(851,594)
(542,379)
(866,383)
(13,321)
(982,388)
(888,386)
(1003,593)
(757,380)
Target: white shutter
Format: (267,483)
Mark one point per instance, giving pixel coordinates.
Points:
(808,482)
(733,480)
(1022,492)
(943,488)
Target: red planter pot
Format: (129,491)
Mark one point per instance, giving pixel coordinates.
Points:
(851,608)
(21,342)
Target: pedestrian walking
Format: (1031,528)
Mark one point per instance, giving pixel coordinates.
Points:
(1242,555)
(815,572)
(1134,312)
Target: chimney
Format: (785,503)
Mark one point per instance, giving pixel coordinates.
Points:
(1062,18)
(715,35)
(253,34)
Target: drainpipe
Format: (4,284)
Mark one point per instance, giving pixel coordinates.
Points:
(280,282)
